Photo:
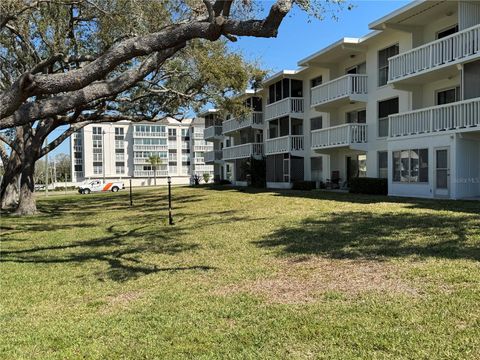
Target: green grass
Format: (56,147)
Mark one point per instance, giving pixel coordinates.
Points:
(241,275)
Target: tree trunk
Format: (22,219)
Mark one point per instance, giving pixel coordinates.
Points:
(27,204)
(9,185)
(9,191)
(154,176)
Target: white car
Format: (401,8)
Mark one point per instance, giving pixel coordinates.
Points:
(97,186)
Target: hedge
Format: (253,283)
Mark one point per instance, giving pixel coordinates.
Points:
(371,186)
(304,185)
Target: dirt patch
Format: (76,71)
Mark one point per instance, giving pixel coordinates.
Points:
(303,280)
(121,301)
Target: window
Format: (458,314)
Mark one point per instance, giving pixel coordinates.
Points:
(97,169)
(119,169)
(316,123)
(382,164)
(356,117)
(119,157)
(448,96)
(316,81)
(118,131)
(97,130)
(446,32)
(386,108)
(283,89)
(184,132)
(410,166)
(172,132)
(78,167)
(383,56)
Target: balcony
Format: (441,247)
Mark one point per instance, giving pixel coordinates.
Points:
(339,136)
(149,173)
(341,91)
(284,107)
(253,120)
(416,65)
(204,168)
(142,134)
(212,133)
(203,148)
(284,144)
(243,151)
(77,148)
(198,135)
(150,147)
(462,116)
(212,156)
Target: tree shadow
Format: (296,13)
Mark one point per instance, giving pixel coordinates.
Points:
(366,235)
(121,250)
(466,206)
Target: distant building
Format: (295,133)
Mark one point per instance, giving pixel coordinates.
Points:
(121,151)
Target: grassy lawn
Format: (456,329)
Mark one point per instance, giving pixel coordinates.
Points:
(241,275)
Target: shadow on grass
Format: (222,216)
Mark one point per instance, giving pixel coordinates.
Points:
(466,206)
(366,235)
(121,251)
(87,205)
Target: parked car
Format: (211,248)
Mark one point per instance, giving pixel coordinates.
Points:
(39,187)
(98,185)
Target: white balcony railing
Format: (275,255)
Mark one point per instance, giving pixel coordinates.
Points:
(204,168)
(78,161)
(345,86)
(449,50)
(284,107)
(149,134)
(462,115)
(242,151)
(202,147)
(211,156)
(341,135)
(235,124)
(149,173)
(150,147)
(199,160)
(198,135)
(212,132)
(284,144)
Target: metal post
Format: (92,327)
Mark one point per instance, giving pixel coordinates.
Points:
(170,219)
(131,200)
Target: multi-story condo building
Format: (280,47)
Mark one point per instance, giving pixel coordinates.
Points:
(121,151)
(243,138)
(401,103)
(213,134)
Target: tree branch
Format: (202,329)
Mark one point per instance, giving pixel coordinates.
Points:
(171,37)
(60,104)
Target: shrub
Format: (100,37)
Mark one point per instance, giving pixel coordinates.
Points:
(206,177)
(304,185)
(371,186)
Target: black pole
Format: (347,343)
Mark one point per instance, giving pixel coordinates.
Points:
(131,200)
(170,219)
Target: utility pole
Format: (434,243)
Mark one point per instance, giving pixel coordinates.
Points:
(46,168)
(103,154)
(170,218)
(54,172)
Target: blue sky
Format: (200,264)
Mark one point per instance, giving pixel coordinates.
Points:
(300,36)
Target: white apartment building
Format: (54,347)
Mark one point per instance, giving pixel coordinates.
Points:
(115,151)
(401,103)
